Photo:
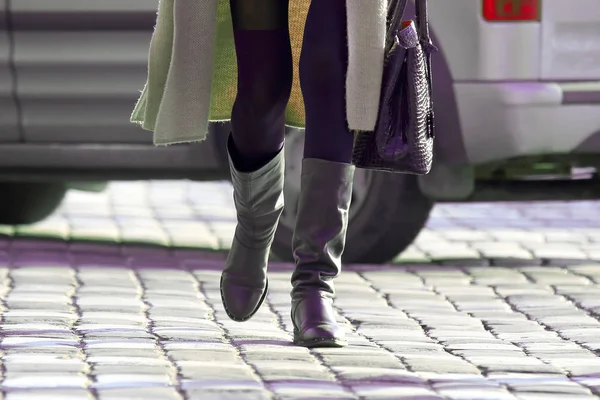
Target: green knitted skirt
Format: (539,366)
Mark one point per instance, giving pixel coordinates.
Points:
(225,69)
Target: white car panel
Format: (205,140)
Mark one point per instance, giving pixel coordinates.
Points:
(456,25)
(479,50)
(570,40)
(503,120)
(510,80)
(513,81)
(508,51)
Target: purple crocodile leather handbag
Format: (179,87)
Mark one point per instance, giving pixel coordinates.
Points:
(403,138)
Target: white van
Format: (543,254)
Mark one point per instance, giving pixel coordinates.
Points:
(517,97)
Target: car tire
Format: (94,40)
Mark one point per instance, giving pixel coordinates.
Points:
(29,202)
(388,212)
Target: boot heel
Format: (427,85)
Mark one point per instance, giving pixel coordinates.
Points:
(314,322)
(319,342)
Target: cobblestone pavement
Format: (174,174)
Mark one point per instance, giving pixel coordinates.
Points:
(141,323)
(82,320)
(185,214)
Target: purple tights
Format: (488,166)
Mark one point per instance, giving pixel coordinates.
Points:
(264,59)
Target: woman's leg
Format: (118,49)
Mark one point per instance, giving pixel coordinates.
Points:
(327,176)
(255,148)
(323,66)
(264,59)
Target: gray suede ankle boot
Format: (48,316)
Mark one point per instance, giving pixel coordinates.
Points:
(258,198)
(318,243)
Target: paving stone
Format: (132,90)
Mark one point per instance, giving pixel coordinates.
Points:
(394,391)
(125,361)
(137,393)
(265,352)
(355,374)
(132,380)
(61,352)
(278,371)
(104,290)
(565,252)
(115,352)
(112,302)
(189,334)
(503,250)
(449,251)
(54,274)
(552,396)
(160,369)
(43,363)
(169,303)
(30,342)
(195,320)
(310,389)
(225,394)
(237,384)
(44,330)
(567,387)
(411,255)
(148,322)
(50,380)
(49,394)
(481,393)
(112,332)
(188,354)
(376,360)
(50,288)
(441,365)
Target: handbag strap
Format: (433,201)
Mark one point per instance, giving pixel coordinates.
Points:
(422,21)
(428,47)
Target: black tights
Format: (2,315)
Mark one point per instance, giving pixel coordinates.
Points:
(264,58)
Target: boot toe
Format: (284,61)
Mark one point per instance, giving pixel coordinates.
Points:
(241,302)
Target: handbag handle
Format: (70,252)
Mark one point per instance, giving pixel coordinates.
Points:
(396,11)
(423,21)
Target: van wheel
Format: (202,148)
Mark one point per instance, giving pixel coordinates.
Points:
(387,213)
(29,202)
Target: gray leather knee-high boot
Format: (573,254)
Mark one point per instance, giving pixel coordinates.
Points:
(318,243)
(258,198)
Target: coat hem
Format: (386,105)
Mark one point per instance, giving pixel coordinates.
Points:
(183,140)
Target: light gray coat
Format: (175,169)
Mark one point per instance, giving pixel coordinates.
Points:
(181,95)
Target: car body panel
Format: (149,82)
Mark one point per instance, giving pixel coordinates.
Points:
(522,118)
(570,40)
(477,50)
(498,92)
(104,161)
(81,65)
(563,45)
(83,88)
(8,108)
(79,83)
(512,81)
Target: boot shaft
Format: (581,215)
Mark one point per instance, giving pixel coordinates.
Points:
(321,224)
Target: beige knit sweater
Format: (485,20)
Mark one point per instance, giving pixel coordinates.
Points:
(192,69)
